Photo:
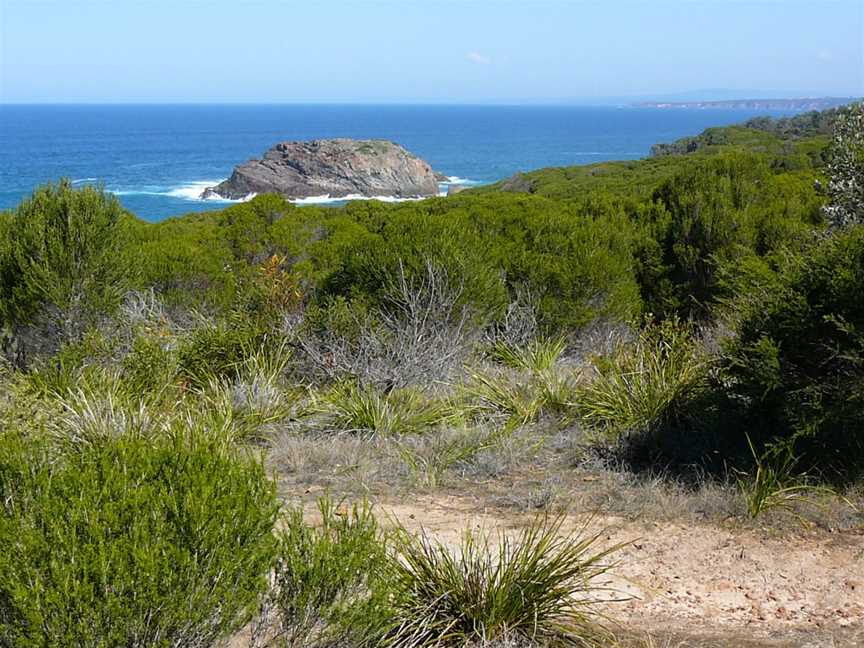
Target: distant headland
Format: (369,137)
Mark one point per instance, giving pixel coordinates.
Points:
(806,103)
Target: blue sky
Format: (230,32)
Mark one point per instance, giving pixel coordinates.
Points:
(435,51)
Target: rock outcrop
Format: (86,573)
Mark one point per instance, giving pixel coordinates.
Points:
(333,167)
(518,183)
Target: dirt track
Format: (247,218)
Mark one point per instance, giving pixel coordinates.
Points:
(710,585)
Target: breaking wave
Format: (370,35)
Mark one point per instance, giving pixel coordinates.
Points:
(456,180)
(192,191)
(329,200)
(187,191)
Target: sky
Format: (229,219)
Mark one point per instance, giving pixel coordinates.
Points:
(426,51)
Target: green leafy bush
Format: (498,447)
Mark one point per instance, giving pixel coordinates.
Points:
(127,541)
(148,366)
(715,213)
(795,365)
(212,352)
(61,255)
(331,584)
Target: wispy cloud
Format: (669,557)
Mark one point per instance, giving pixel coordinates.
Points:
(477,57)
(826,56)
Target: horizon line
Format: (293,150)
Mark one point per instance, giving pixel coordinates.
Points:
(586,102)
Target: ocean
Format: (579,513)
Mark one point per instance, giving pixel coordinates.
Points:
(158,158)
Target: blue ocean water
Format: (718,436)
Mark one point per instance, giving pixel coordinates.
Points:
(158,158)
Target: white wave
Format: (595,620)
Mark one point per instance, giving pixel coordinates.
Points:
(186,191)
(83,180)
(456,180)
(193,190)
(328,199)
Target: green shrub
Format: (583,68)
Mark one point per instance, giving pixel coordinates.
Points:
(795,366)
(148,366)
(846,168)
(61,255)
(128,541)
(537,587)
(213,352)
(70,364)
(715,213)
(188,261)
(331,580)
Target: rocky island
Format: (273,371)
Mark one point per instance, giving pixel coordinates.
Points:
(338,168)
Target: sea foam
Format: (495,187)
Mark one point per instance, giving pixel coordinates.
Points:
(328,199)
(192,190)
(456,180)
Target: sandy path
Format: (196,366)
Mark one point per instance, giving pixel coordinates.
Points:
(738,586)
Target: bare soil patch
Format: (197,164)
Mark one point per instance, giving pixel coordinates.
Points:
(688,584)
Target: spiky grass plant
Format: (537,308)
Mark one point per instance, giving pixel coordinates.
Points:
(88,417)
(774,484)
(255,397)
(431,456)
(519,398)
(367,410)
(641,384)
(539,587)
(500,394)
(537,356)
(103,406)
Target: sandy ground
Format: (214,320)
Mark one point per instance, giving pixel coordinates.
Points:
(702,585)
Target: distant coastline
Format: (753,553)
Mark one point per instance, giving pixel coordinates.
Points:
(805,103)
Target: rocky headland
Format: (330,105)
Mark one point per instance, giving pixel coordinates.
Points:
(337,168)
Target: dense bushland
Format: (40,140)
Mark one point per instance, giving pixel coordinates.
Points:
(796,363)
(697,313)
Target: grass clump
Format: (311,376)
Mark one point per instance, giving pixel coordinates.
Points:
(500,394)
(774,484)
(643,385)
(536,356)
(367,410)
(519,398)
(537,587)
(128,541)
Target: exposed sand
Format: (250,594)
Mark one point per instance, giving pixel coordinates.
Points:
(703,584)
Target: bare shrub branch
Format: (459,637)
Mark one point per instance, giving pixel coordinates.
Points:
(422,337)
